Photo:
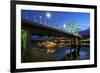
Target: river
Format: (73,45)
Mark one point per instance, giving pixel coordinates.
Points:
(61,53)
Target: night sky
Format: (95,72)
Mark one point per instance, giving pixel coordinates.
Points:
(58,19)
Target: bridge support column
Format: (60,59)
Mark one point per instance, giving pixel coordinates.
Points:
(78,45)
(25,46)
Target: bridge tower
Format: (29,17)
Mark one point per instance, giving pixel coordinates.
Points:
(76,29)
(70,27)
(75,42)
(76,32)
(73,28)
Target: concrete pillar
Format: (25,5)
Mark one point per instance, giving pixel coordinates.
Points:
(26,46)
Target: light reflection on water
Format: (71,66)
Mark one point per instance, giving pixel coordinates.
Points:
(60,53)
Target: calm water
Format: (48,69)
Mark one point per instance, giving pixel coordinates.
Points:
(60,53)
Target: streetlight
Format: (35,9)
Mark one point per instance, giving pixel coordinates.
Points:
(45,22)
(26,15)
(48,15)
(40,19)
(35,18)
(64,26)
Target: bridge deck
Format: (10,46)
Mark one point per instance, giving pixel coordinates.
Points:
(42,30)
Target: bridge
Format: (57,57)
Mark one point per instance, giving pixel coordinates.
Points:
(56,38)
(55,35)
(42,30)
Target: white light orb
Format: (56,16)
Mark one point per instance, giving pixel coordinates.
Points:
(48,14)
(64,25)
